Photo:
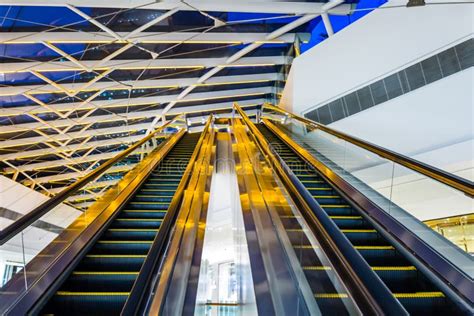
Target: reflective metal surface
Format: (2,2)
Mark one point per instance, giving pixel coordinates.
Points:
(448,262)
(225,279)
(170,290)
(458,183)
(22,292)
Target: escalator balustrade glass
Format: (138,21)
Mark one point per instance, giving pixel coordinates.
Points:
(409,285)
(103,279)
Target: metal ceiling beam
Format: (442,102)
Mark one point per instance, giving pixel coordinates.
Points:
(102,156)
(262,6)
(241,53)
(132,64)
(75,88)
(73,135)
(248,49)
(64,162)
(116,140)
(200,96)
(123,128)
(75,175)
(141,38)
(36,153)
(327,24)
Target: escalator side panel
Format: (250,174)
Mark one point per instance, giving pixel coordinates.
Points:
(416,293)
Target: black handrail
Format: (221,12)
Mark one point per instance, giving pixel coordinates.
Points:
(23,222)
(373,295)
(137,294)
(452,180)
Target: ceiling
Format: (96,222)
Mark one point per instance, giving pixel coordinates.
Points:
(81,80)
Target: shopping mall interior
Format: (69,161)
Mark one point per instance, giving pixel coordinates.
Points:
(234,158)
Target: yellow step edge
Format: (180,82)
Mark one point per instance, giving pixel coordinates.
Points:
(116,256)
(296,230)
(358,230)
(331,295)
(103,273)
(124,241)
(345,217)
(66,293)
(145,211)
(174,181)
(334,205)
(149,203)
(395,268)
(321,189)
(139,219)
(317,268)
(154,196)
(156,190)
(312,181)
(374,248)
(132,230)
(305,247)
(419,295)
(326,196)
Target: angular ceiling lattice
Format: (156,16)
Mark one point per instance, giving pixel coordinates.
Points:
(82,80)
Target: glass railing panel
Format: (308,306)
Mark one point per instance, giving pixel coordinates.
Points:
(408,196)
(25,257)
(312,268)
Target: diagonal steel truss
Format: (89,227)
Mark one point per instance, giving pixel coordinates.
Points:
(68,131)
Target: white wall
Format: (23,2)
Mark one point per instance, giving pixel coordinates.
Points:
(434,124)
(381,43)
(423,123)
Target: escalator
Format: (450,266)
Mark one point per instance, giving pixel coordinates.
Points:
(103,279)
(408,284)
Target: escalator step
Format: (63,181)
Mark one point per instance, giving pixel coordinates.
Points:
(158,191)
(363,237)
(329,199)
(350,222)
(152,198)
(130,234)
(148,205)
(104,277)
(100,281)
(130,263)
(158,214)
(87,303)
(136,223)
(121,248)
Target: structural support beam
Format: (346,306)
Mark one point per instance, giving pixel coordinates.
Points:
(103,104)
(93,85)
(66,55)
(273,35)
(327,24)
(106,131)
(262,6)
(138,64)
(140,38)
(64,162)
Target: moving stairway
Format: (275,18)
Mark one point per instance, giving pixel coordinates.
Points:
(409,285)
(102,281)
